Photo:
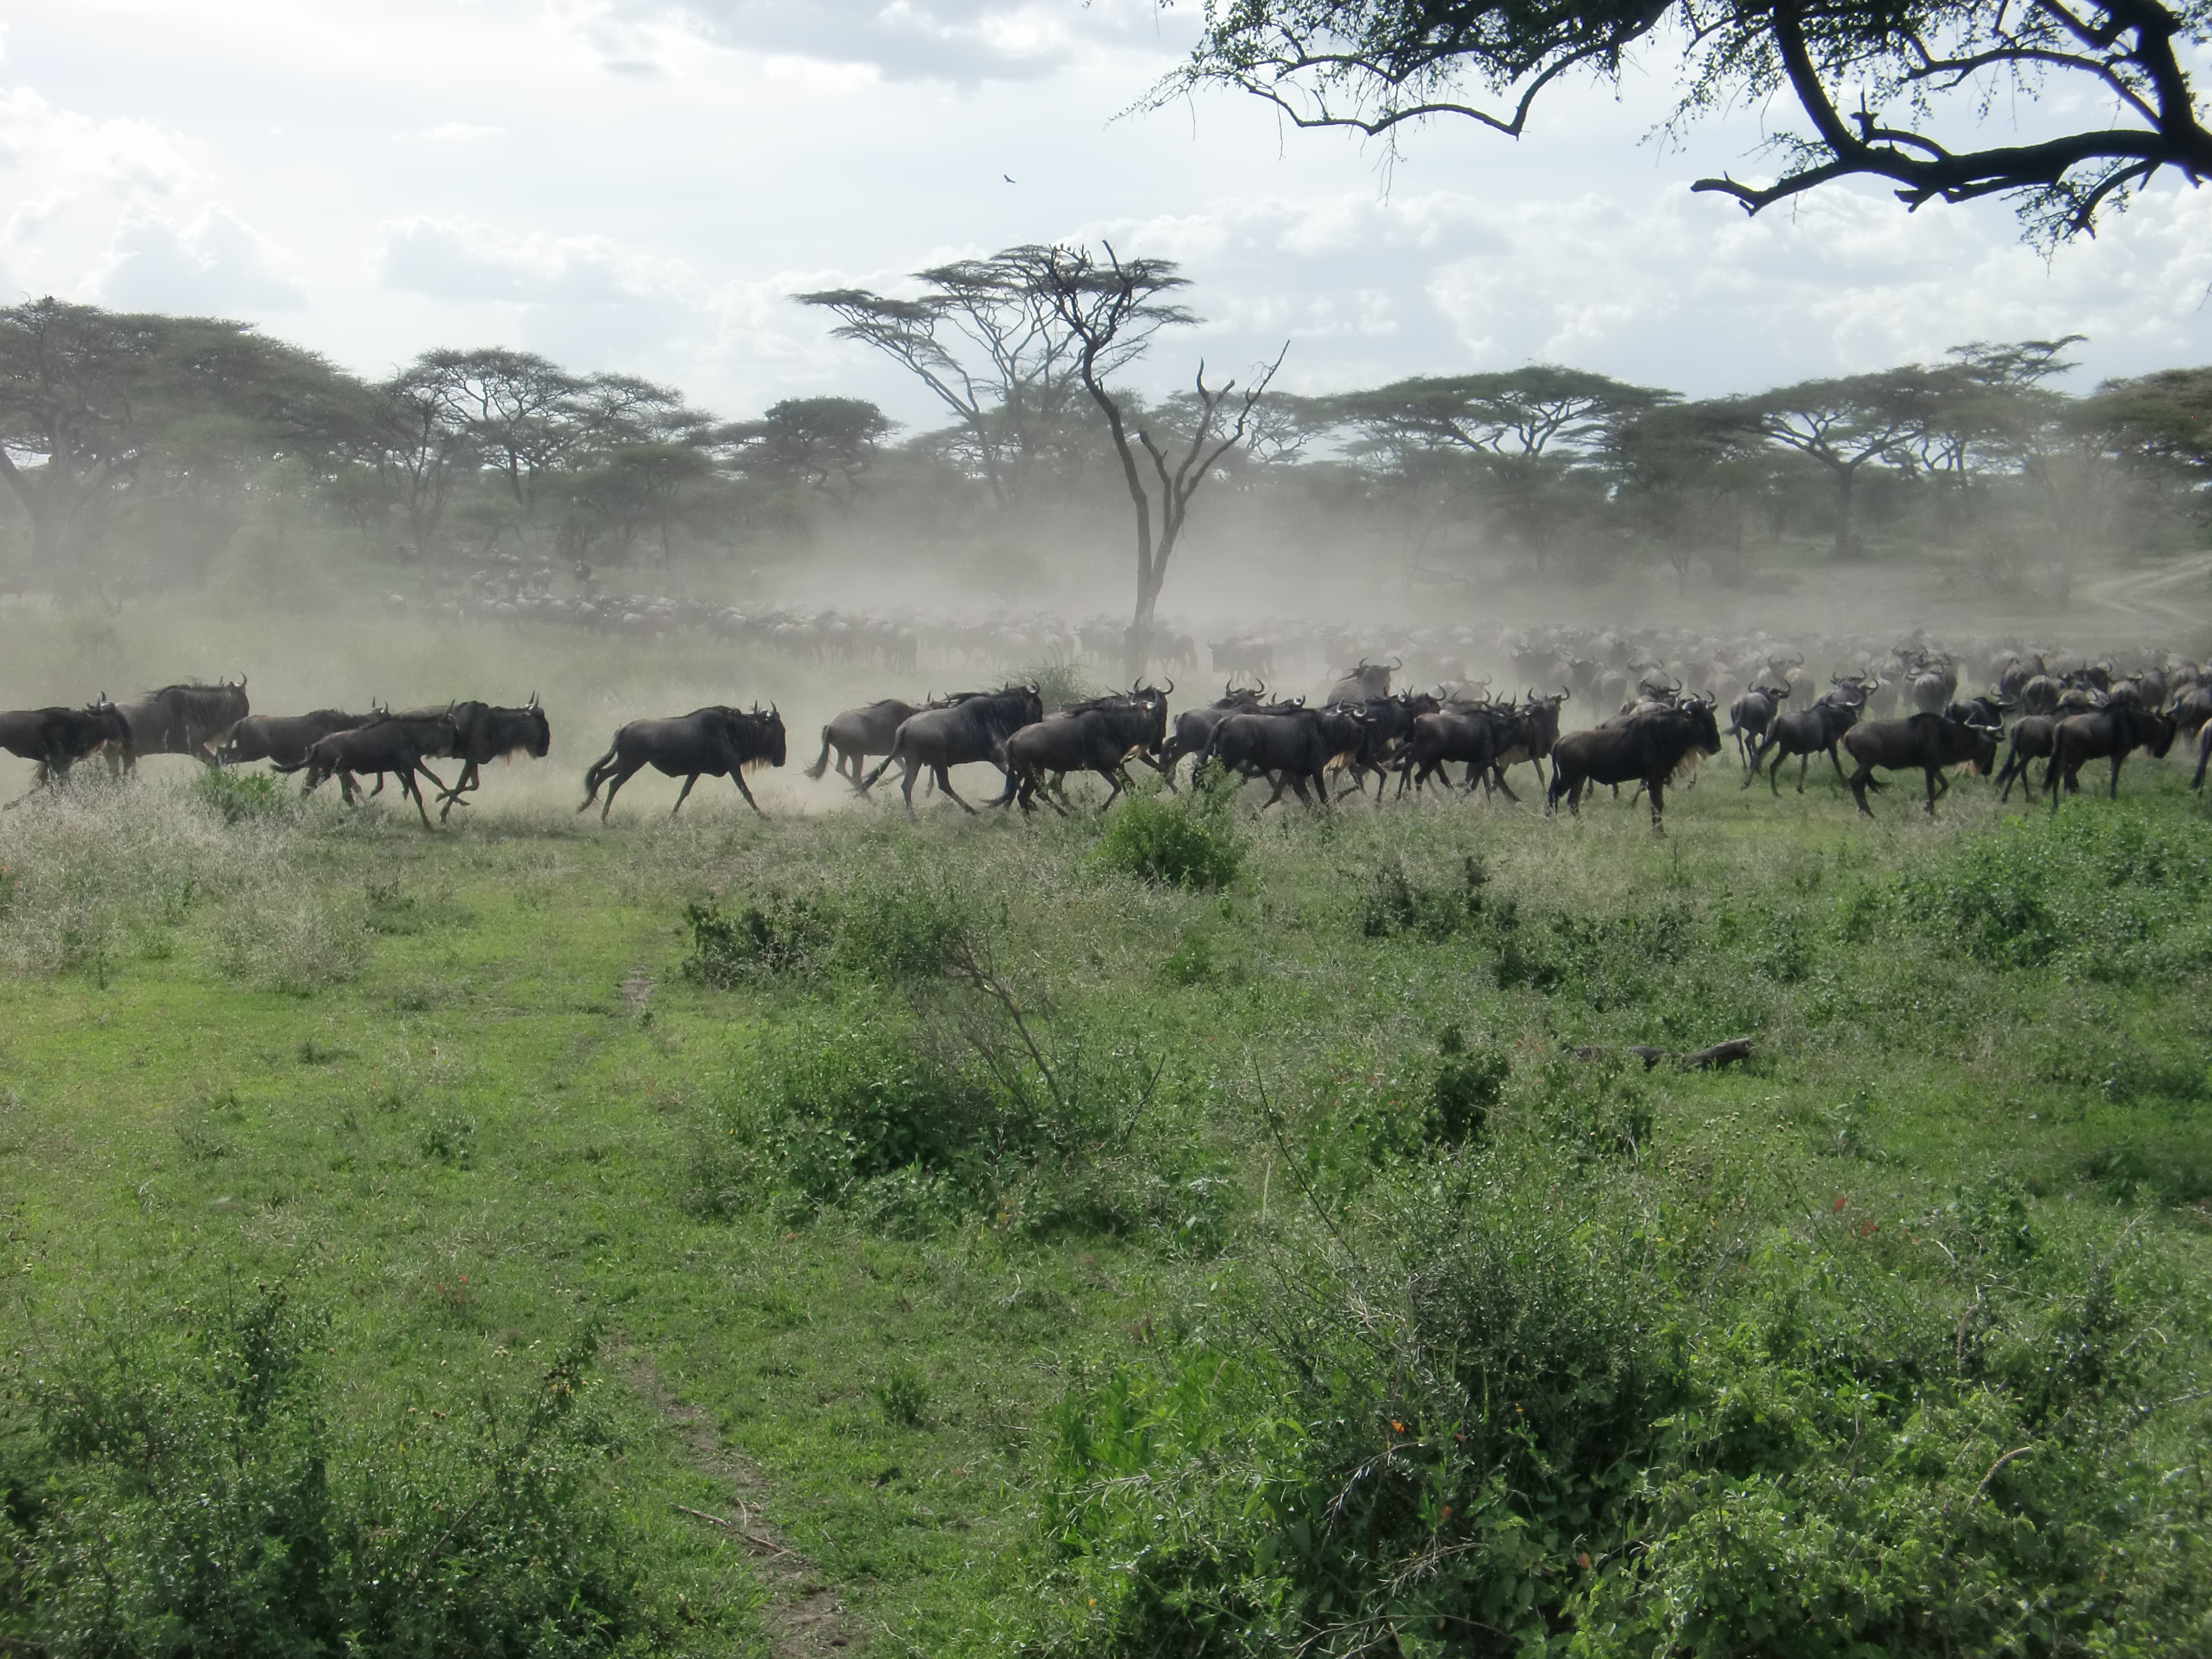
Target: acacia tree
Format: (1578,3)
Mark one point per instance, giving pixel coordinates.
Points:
(1101,302)
(1882,87)
(825,444)
(1847,425)
(985,337)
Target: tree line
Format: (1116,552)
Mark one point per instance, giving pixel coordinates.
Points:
(141,451)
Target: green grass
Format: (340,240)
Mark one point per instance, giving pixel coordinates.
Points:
(459,1094)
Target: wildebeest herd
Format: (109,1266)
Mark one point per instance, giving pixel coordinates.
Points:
(1362,731)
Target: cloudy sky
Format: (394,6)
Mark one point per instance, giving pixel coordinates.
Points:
(641,184)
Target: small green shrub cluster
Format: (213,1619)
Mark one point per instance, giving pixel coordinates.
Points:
(1185,841)
(884,930)
(195,1493)
(237,797)
(1397,899)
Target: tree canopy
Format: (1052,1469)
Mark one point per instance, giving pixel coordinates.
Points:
(1883,88)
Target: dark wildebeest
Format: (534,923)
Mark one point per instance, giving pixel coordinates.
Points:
(1810,732)
(1099,736)
(1646,749)
(1194,727)
(58,739)
(484,732)
(1457,732)
(714,742)
(1527,733)
(1364,683)
(2203,755)
(1296,746)
(2031,740)
(963,732)
(384,744)
(284,739)
(182,719)
(1750,714)
(859,733)
(2115,732)
(1929,742)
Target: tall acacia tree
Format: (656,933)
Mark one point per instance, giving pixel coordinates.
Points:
(1883,88)
(1100,301)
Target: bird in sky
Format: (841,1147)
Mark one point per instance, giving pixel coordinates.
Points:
(1008,177)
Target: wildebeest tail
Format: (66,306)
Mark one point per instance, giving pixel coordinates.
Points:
(821,761)
(595,775)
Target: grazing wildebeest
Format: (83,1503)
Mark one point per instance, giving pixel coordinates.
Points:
(1750,714)
(1809,731)
(963,731)
(2031,740)
(1364,683)
(1194,727)
(484,732)
(284,738)
(182,719)
(384,744)
(1929,742)
(58,739)
(1296,747)
(1099,736)
(2116,731)
(1646,749)
(714,742)
(859,733)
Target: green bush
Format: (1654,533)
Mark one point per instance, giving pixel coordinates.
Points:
(238,796)
(882,929)
(1398,900)
(1188,841)
(198,1495)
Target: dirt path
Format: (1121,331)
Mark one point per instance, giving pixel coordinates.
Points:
(2149,596)
(804,1617)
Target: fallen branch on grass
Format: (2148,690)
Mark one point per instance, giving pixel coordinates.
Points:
(1729,1053)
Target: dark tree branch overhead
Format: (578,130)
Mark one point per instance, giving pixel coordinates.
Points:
(1884,87)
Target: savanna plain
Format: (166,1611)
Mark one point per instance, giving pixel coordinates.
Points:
(1189,1230)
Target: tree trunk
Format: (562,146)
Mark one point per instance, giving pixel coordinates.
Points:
(1846,485)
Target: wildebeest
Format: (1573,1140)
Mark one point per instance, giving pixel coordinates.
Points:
(1810,732)
(965,731)
(2031,740)
(1929,742)
(284,738)
(182,719)
(384,744)
(1366,682)
(1750,714)
(1194,727)
(714,742)
(1295,746)
(1646,749)
(58,739)
(2115,732)
(1099,736)
(1522,734)
(858,733)
(484,732)
(1456,731)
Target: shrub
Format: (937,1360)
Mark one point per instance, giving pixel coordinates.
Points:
(238,796)
(904,1394)
(1396,900)
(1467,1085)
(773,934)
(1189,840)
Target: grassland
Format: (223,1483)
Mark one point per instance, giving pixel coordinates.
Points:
(1021,1250)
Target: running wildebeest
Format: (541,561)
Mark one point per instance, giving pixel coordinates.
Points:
(965,731)
(714,742)
(386,743)
(1194,726)
(1929,742)
(284,738)
(1750,714)
(484,732)
(1647,750)
(1364,683)
(858,733)
(1527,733)
(1457,732)
(1811,731)
(58,739)
(2031,740)
(2115,732)
(182,719)
(1296,746)
(1099,736)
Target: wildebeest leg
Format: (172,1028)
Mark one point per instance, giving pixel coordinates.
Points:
(683,794)
(1498,773)
(738,777)
(1934,774)
(468,780)
(1118,780)
(945,783)
(1835,762)
(1657,787)
(410,785)
(1806,760)
(1857,783)
(622,774)
(2119,755)
(2203,755)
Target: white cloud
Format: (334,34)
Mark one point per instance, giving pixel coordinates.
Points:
(216,263)
(58,146)
(459,259)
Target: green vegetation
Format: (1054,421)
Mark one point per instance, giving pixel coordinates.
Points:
(1209,1236)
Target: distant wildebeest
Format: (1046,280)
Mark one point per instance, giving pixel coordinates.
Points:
(1100,736)
(1929,742)
(2113,733)
(1810,732)
(58,739)
(386,743)
(1245,656)
(182,719)
(1646,751)
(1295,746)
(965,731)
(858,733)
(2031,740)
(1750,714)
(1364,683)
(714,742)
(284,739)
(484,732)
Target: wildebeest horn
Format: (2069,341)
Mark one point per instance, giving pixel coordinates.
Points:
(1171,688)
(1397,663)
